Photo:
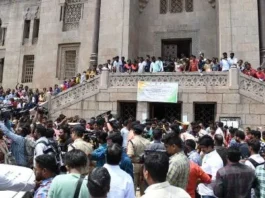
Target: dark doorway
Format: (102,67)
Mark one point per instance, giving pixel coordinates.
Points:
(204,112)
(165,110)
(127,110)
(175,47)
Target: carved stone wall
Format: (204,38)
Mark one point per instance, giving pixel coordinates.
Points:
(75,95)
(252,88)
(73,14)
(184,80)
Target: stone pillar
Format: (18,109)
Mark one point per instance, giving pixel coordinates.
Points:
(104,78)
(94,54)
(261,4)
(143,111)
(49,103)
(233,78)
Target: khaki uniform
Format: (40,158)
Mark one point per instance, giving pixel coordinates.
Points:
(135,148)
(82,145)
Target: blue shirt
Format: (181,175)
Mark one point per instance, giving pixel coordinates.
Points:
(17,145)
(195,157)
(126,164)
(99,155)
(42,191)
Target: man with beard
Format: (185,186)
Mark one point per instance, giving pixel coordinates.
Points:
(45,170)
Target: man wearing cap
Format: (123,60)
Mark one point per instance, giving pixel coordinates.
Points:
(77,134)
(135,149)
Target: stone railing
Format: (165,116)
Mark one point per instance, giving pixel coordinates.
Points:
(74,95)
(232,80)
(213,79)
(252,88)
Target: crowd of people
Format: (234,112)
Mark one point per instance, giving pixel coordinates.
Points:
(108,157)
(20,96)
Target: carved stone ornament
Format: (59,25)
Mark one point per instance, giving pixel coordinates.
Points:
(252,88)
(37,12)
(142,4)
(75,94)
(184,80)
(212,2)
(27,16)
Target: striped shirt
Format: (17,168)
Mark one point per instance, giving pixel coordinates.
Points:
(178,172)
(260,175)
(17,145)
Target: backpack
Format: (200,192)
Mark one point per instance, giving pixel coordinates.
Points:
(53,149)
(254,163)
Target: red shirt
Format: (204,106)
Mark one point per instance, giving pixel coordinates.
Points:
(193,65)
(250,72)
(260,75)
(196,174)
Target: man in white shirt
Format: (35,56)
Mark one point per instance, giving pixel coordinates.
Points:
(116,64)
(232,60)
(16,178)
(124,133)
(156,166)
(224,63)
(121,185)
(211,163)
(141,65)
(42,142)
(255,159)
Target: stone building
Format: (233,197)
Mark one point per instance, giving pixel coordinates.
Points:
(44,41)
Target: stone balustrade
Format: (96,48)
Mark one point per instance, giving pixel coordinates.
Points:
(74,95)
(220,81)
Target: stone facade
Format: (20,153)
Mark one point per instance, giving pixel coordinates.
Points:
(231,97)
(127,28)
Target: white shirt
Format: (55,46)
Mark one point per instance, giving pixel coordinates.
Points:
(83,78)
(211,163)
(141,67)
(124,134)
(121,183)
(116,64)
(219,131)
(225,65)
(16,178)
(40,147)
(255,157)
(232,61)
(165,190)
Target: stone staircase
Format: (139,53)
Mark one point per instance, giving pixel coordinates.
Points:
(107,83)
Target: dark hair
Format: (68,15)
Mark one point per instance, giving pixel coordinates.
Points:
(98,182)
(102,136)
(254,144)
(76,159)
(206,140)
(126,122)
(79,130)
(41,130)
(65,129)
(191,143)
(157,134)
(219,140)
(48,162)
(175,129)
(220,124)
(113,154)
(138,129)
(157,165)
(241,135)
(172,139)
(233,154)
(263,132)
(116,138)
(256,134)
(49,133)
